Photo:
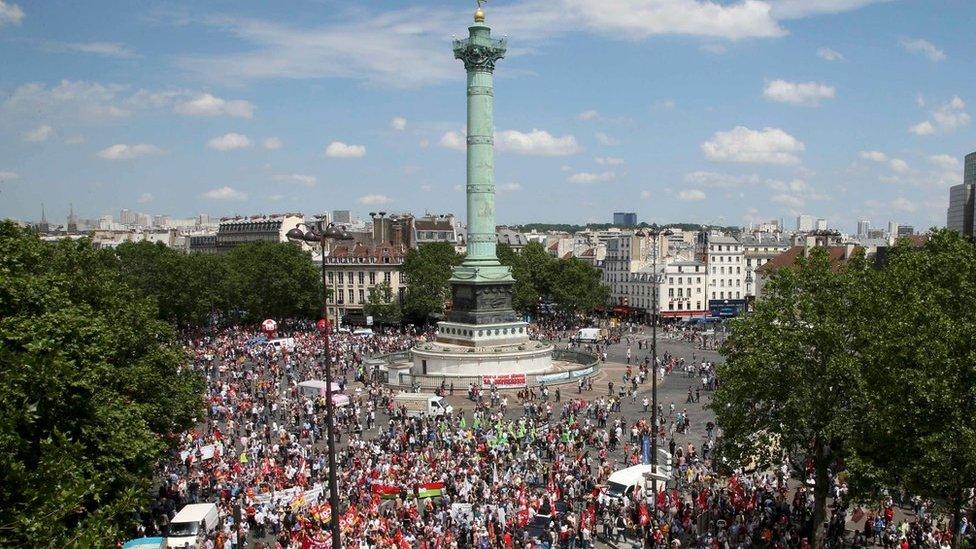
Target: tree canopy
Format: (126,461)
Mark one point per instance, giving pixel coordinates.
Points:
(92,393)
(572,284)
(869,369)
(791,386)
(427,270)
(920,367)
(382,305)
(251,282)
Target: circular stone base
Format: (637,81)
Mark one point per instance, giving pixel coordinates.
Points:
(444,359)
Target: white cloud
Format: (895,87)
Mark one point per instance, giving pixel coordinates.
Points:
(510,187)
(945,162)
(8,176)
(69,100)
(898,165)
(145,198)
(691,195)
(225,193)
(788,200)
(588,116)
(592,177)
(796,186)
(874,156)
(609,161)
(398,123)
(741,144)
(39,134)
(536,143)
(301,179)
(719,180)
(605,139)
(454,140)
(229,142)
(829,54)
(374,200)
(948,117)
(272,143)
(796,9)
(375,46)
(276,197)
(105,49)
(923,128)
(924,48)
(903,205)
(75,140)
(121,151)
(807,94)
(10,13)
(338,149)
(663,104)
(206,104)
(72,101)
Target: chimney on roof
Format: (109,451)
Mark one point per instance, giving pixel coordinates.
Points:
(397,236)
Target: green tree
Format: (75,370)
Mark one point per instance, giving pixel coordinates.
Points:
(186,288)
(792,380)
(427,270)
(525,294)
(381,304)
(575,286)
(273,280)
(93,390)
(920,361)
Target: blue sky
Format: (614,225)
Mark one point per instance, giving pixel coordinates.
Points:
(682,110)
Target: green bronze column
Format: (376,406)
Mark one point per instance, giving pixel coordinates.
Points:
(479,52)
(481,287)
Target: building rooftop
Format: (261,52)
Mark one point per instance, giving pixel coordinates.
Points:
(838,256)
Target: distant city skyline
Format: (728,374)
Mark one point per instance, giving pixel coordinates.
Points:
(679,110)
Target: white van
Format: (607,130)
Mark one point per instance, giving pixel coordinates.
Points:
(192,524)
(621,484)
(281,344)
(589,335)
(419,404)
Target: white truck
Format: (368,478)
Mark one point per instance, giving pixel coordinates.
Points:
(589,335)
(191,525)
(419,404)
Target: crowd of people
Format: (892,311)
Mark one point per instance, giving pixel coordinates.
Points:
(526,469)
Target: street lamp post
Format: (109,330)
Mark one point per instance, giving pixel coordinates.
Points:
(655,233)
(321,233)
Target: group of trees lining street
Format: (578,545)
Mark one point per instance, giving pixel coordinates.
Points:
(572,285)
(249,283)
(861,370)
(93,392)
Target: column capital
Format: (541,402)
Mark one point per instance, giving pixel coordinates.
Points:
(479,53)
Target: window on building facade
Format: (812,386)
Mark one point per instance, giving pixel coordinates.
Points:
(339,294)
(341,281)
(737,295)
(329,274)
(386,277)
(362,277)
(362,298)
(352,297)
(372,277)
(698,305)
(670,292)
